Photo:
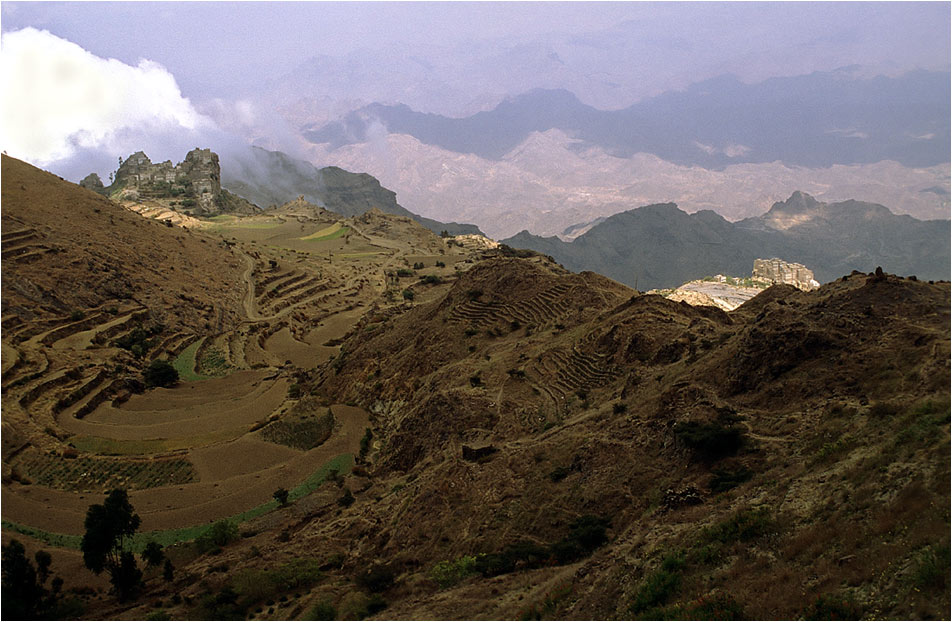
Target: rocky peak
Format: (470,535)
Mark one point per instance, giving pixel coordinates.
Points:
(94,183)
(778,271)
(197,180)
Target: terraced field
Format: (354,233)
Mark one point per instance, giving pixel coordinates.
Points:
(230,432)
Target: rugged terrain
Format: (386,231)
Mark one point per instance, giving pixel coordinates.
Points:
(541,444)
(659,246)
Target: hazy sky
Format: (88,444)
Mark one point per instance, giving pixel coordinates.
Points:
(85,79)
(216,48)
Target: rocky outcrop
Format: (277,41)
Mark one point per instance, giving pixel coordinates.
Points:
(194,184)
(779,271)
(197,179)
(94,183)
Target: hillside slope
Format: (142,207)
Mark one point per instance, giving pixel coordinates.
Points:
(68,249)
(553,445)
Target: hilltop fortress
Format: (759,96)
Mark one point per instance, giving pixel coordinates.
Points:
(194,183)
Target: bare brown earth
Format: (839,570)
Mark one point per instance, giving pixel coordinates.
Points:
(260,303)
(507,400)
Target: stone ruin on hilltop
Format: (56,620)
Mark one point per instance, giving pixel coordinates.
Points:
(195,182)
(779,271)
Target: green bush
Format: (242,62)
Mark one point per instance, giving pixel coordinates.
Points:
(220,534)
(930,570)
(659,586)
(743,526)
(160,373)
(365,441)
(404,272)
(449,573)
(408,294)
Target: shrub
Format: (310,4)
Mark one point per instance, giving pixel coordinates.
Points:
(710,441)
(404,272)
(77,315)
(449,573)
(220,534)
(346,499)
(431,279)
(418,265)
(830,607)
(160,373)
(365,442)
(930,570)
(323,610)
(725,479)
(619,408)
(745,525)
(559,473)
(408,294)
(378,578)
(883,409)
(281,496)
(475,381)
(659,586)
(440,264)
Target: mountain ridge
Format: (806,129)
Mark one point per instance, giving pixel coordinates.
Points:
(711,124)
(659,246)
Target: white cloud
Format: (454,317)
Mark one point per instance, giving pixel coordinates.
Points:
(733,150)
(59,100)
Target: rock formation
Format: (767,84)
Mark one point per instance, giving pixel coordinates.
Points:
(197,179)
(94,183)
(779,271)
(193,186)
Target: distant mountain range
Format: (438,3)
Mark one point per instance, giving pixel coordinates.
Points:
(814,120)
(661,246)
(271,178)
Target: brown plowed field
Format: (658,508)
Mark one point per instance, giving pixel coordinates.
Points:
(171,507)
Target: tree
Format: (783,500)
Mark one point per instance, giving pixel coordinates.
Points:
(152,555)
(24,595)
(281,496)
(168,571)
(108,526)
(160,373)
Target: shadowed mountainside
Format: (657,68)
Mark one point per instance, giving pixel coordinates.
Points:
(273,178)
(662,246)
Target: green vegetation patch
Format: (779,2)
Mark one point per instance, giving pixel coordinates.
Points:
(330,470)
(305,433)
(658,587)
(213,364)
(184,363)
(90,474)
(332,232)
(586,534)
